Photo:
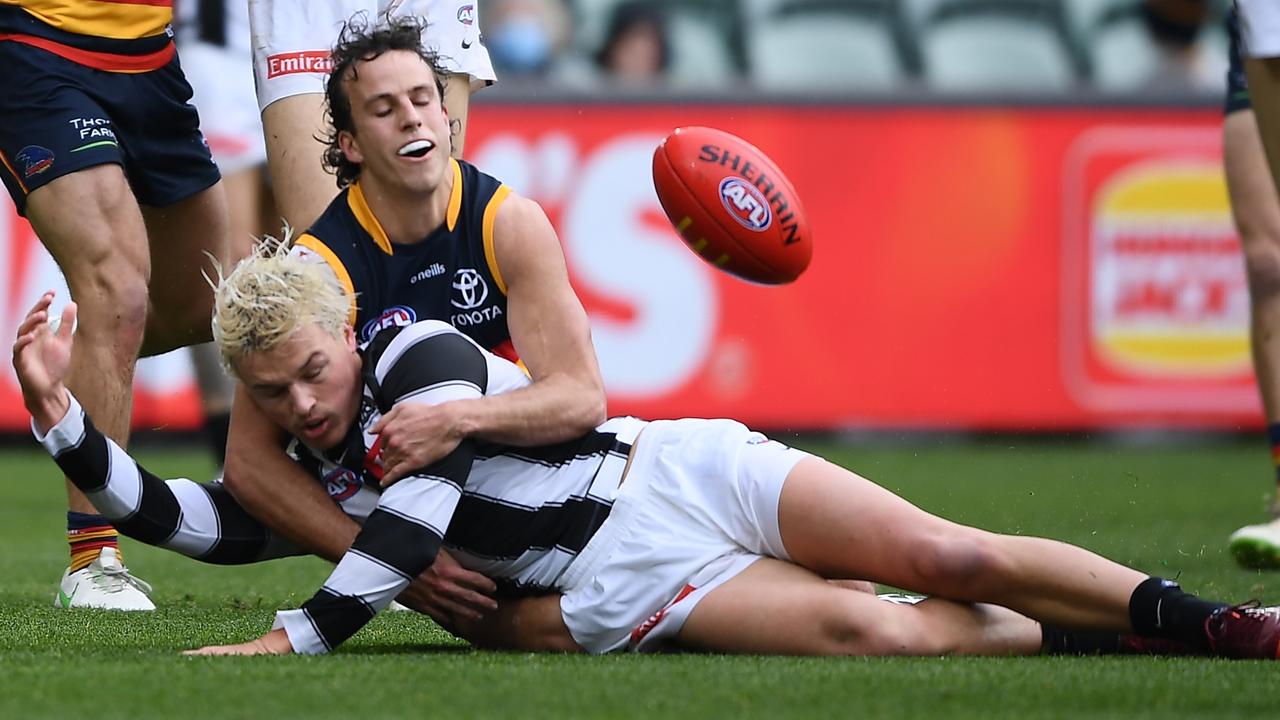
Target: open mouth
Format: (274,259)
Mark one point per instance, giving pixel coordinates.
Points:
(315,427)
(416,149)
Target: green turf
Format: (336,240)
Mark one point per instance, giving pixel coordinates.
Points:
(1164,509)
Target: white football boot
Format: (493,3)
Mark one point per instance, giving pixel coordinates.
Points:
(105,583)
(1257,546)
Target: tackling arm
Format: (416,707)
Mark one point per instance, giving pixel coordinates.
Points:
(552,335)
(275,489)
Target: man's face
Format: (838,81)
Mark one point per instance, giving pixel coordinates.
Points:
(309,385)
(401,136)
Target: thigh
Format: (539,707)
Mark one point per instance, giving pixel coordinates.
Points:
(1253,196)
(301,186)
(189,241)
(51,122)
(841,525)
(103,244)
(775,607)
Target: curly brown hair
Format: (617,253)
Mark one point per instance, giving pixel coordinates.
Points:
(362,41)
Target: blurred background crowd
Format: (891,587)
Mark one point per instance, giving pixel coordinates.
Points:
(842,46)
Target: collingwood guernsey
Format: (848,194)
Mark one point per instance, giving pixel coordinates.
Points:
(518,515)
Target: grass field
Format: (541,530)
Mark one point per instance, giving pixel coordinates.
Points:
(1165,509)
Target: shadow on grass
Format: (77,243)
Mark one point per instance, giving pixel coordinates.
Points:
(408,649)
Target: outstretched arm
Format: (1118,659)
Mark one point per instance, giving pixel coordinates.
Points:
(201,521)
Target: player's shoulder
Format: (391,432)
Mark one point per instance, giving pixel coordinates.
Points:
(335,219)
(391,345)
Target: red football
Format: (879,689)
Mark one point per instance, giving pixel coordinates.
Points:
(732,205)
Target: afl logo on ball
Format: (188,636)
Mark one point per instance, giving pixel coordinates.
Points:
(746,204)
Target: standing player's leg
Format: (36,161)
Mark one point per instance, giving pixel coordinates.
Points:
(217,61)
(1251,143)
(1256,208)
(102,252)
(62,166)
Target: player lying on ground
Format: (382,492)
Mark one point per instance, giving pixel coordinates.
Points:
(698,532)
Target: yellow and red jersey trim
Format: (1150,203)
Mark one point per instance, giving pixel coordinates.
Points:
(111,62)
(113,19)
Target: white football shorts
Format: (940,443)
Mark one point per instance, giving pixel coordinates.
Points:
(1259,27)
(292,40)
(698,506)
(222,84)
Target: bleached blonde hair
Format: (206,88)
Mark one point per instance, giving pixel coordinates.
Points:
(269,295)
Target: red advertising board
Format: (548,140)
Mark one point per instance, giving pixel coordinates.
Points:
(1027,269)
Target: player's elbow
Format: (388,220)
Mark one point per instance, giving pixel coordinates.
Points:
(594,408)
(239,475)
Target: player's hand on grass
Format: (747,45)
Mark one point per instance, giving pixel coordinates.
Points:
(447,591)
(275,642)
(415,435)
(41,359)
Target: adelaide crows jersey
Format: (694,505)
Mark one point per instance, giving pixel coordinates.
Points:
(451,275)
(112,35)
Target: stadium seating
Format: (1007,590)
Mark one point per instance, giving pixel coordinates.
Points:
(998,45)
(826,44)
(705,36)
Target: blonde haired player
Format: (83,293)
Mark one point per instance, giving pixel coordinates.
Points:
(415,234)
(698,533)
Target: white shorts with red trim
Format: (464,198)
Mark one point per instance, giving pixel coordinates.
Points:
(698,506)
(292,40)
(1259,27)
(222,85)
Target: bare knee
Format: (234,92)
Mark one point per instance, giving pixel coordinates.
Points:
(1262,261)
(172,324)
(853,630)
(112,297)
(963,565)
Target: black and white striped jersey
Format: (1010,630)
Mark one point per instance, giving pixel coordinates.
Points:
(519,515)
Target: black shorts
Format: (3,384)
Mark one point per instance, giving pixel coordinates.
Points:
(1237,85)
(58,117)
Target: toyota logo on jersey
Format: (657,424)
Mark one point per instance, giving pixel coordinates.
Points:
(469,289)
(745,203)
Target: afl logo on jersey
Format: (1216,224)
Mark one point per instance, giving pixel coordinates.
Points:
(467,14)
(745,203)
(469,289)
(394,316)
(341,484)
